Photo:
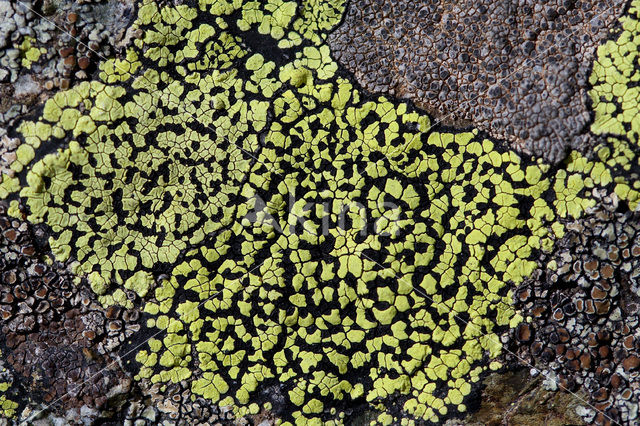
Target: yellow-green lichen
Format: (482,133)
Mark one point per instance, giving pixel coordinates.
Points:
(615,76)
(30,53)
(8,406)
(317,237)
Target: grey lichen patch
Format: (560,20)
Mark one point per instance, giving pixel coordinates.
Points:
(516,69)
(52,45)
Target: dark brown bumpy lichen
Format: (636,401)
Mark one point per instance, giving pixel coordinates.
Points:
(517,69)
(57,338)
(584,311)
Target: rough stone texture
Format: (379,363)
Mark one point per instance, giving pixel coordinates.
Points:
(516,399)
(517,69)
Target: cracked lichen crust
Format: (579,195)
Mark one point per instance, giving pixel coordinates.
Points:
(177,151)
(325,248)
(518,70)
(614,95)
(615,92)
